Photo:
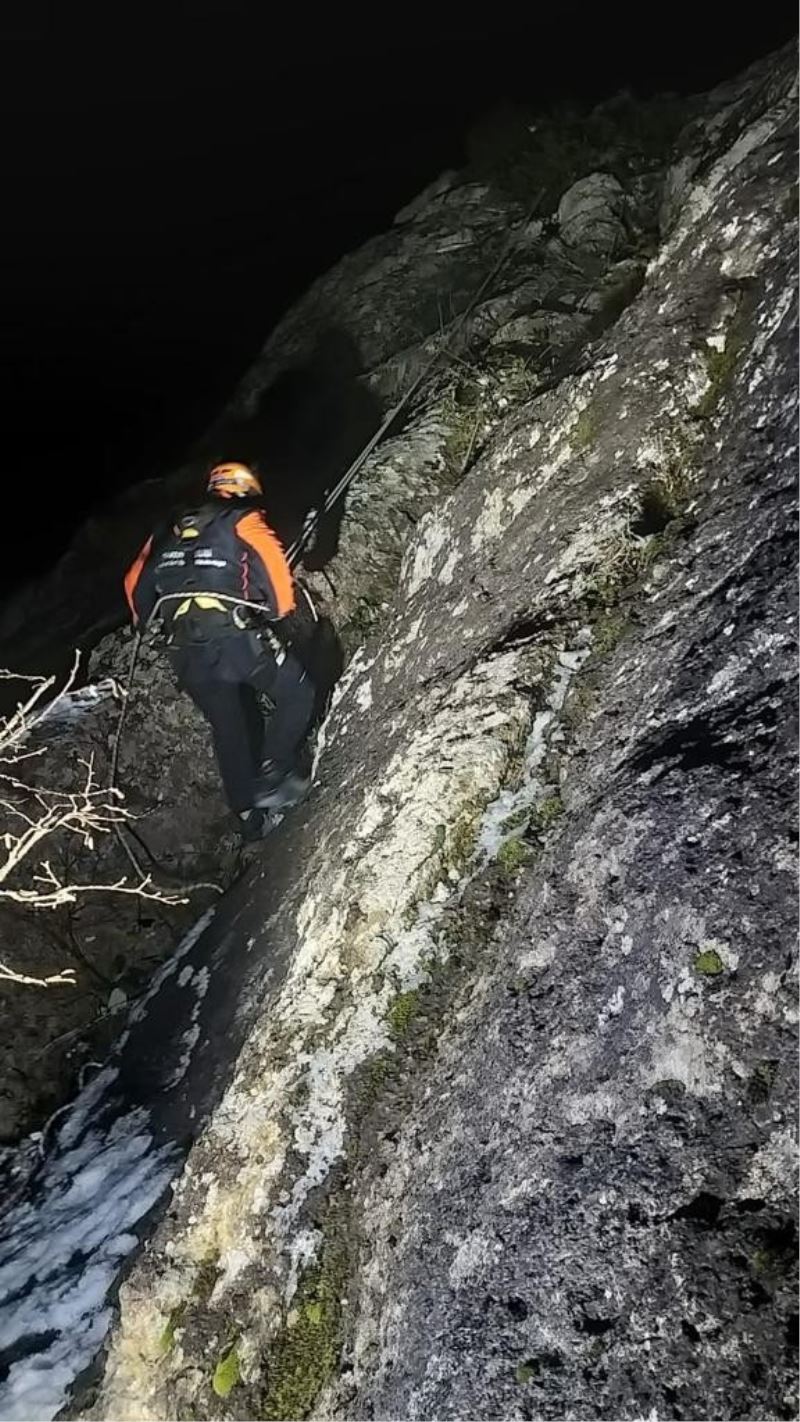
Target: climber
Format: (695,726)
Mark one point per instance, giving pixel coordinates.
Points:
(225,653)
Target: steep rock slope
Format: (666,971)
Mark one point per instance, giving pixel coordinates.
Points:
(511,1134)
(375,315)
(565,244)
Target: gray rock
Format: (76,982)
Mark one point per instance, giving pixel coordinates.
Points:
(553,329)
(591,214)
(513,1136)
(486,1069)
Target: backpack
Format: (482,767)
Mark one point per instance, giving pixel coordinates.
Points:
(197,557)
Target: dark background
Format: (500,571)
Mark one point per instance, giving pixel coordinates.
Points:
(172,181)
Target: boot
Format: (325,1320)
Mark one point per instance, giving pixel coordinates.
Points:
(254,824)
(279,789)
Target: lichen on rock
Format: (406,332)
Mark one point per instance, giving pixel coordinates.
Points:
(507,1124)
(556,522)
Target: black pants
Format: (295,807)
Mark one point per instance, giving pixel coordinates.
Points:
(224,678)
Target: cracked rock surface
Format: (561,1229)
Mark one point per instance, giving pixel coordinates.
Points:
(386,308)
(583,1204)
(478,1092)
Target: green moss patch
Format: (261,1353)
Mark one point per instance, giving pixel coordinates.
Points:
(708,963)
(547,812)
(226,1373)
(462,840)
(584,432)
(306,1352)
(512,855)
(167,1340)
(401,1013)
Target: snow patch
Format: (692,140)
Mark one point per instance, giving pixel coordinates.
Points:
(63,1250)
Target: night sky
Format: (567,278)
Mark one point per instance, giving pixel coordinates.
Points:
(173,181)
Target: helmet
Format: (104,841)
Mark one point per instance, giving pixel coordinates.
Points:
(233,481)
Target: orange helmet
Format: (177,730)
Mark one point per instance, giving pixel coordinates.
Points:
(233,481)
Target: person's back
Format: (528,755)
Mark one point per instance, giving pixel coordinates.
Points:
(225,546)
(220,580)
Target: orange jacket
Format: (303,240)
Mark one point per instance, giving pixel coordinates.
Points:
(223,548)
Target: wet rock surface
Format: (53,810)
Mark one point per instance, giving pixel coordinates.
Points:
(488,1095)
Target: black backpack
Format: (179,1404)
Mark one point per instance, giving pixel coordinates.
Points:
(195,561)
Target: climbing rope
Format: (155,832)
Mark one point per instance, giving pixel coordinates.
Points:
(337,492)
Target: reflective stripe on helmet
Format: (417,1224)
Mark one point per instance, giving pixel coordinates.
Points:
(233,479)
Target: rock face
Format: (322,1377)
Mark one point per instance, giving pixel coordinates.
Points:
(502,1113)
(352,345)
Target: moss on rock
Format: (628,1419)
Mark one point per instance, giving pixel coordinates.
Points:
(609,630)
(708,963)
(523,1373)
(512,855)
(584,432)
(401,1012)
(462,840)
(464,412)
(547,812)
(166,1341)
(226,1373)
(305,1354)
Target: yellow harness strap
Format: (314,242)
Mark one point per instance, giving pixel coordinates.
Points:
(205,603)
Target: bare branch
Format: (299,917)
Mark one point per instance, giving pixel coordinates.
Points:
(65,978)
(38,822)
